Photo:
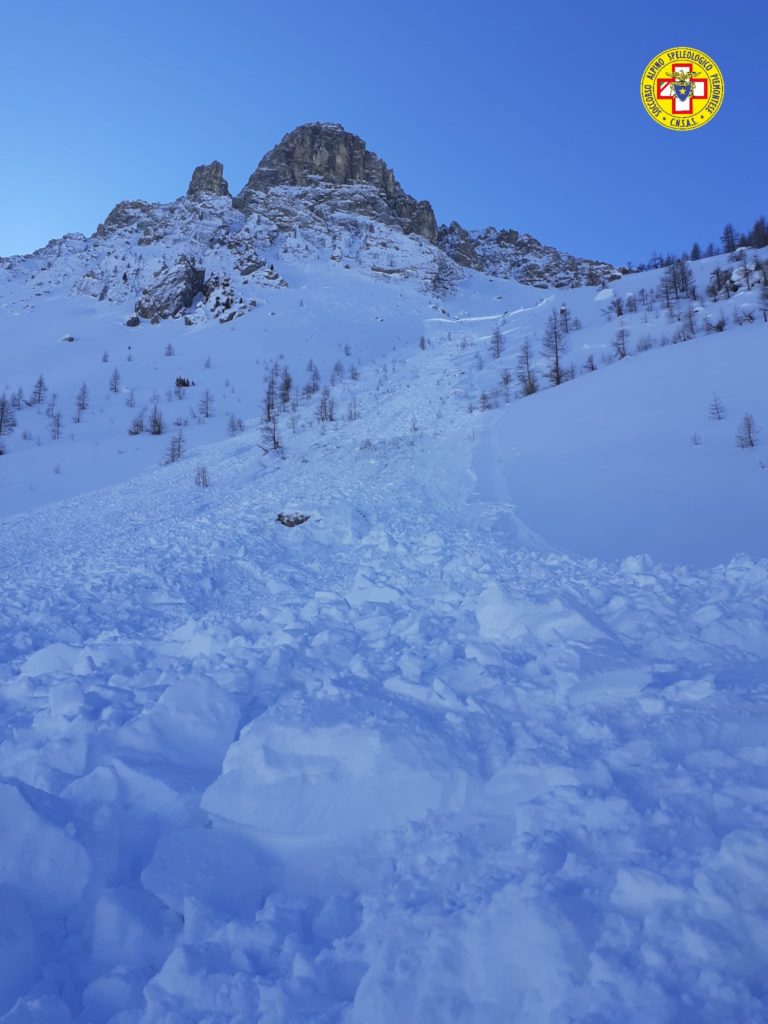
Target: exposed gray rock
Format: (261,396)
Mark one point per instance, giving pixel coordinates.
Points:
(507,253)
(130,213)
(208,178)
(319,194)
(455,240)
(315,153)
(172,291)
(132,321)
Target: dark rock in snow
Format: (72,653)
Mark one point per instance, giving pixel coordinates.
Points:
(291,518)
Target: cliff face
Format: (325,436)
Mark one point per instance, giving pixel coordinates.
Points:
(325,153)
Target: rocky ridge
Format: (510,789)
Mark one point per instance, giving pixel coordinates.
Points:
(319,194)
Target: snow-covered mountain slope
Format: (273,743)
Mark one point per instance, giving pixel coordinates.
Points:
(645,467)
(401,762)
(468,744)
(320,193)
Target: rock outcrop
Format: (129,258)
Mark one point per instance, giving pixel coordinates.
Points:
(208,178)
(319,195)
(323,153)
(172,291)
(508,253)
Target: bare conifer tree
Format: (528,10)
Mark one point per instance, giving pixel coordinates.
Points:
(81,402)
(716,409)
(526,376)
(326,406)
(497,342)
(38,391)
(7,415)
(746,435)
(175,448)
(138,425)
(156,423)
(589,364)
(620,343)
(286,387)
(554,347)
(205,405)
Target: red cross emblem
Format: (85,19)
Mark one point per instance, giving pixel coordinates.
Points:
(683,89)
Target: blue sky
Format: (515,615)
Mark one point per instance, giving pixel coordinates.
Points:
(517,115)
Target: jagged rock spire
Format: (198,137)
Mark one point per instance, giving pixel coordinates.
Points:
(208,178)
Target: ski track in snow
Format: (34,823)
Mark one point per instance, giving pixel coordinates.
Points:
(401,763)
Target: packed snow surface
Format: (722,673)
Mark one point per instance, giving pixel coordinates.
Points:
(427,757)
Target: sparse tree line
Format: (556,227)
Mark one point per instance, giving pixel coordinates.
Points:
(282,402)
(283,398)
(676,294)
(555,345)
(730,240)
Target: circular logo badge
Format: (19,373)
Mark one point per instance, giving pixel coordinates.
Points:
(682,89)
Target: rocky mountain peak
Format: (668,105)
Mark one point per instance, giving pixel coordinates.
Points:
(325,153)
(208,178)
(309,154)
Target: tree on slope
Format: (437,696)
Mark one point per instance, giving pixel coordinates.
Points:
(728,238)
(554,347)
(7,418)
(497,342)
(526,376)
(746,435)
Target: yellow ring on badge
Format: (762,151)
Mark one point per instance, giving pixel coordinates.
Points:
(682,88)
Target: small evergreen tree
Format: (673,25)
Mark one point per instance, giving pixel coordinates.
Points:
(39,391)
(716,409)
(746,435)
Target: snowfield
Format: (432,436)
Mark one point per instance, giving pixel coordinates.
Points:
(482,740)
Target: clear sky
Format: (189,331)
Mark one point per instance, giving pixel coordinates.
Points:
(523,115)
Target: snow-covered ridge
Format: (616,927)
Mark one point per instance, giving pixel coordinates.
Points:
(319,192)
